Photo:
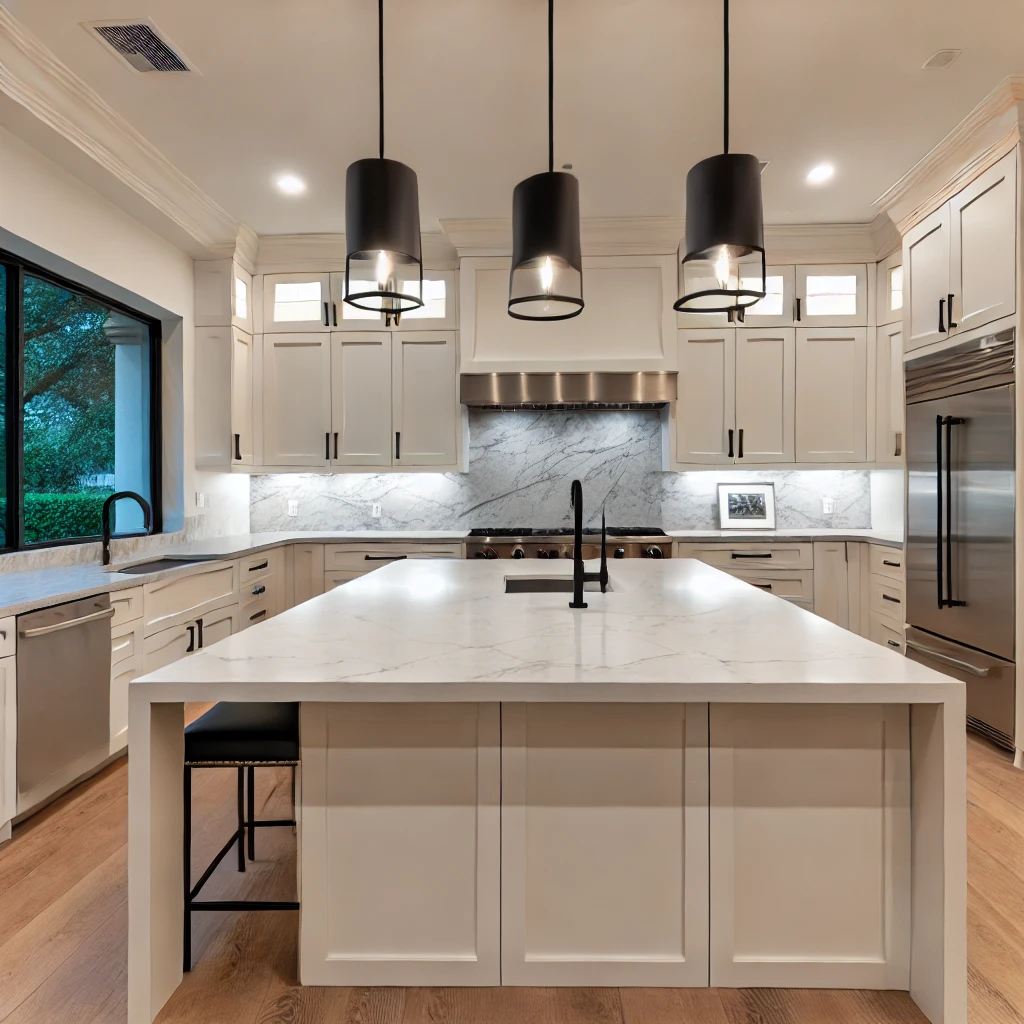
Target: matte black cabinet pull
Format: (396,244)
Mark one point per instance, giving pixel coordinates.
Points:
(899,445)
(191,639)
(327,445)
(334,310)
(335,445)
(895,600)
(327,318)
(798,308)
(763,586)
(751,554)
(894,565)
(942,312)
(938,504)
(258,615)
(238,447)
(893,643)
(199,626)
(741,443)
(256,591)
(255,568)
(398,444)
(730,443)
(383,558)
(949,310)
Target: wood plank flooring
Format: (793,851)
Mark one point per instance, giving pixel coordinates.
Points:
(64,921)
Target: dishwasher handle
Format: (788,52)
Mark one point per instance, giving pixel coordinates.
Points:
(56,626)
(946,659)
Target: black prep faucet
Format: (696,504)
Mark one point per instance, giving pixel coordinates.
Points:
(579,577)
(143,504)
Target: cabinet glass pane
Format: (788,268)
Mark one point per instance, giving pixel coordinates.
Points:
(350,312)
(298,302)
(831,295)
(241,299)
(434,301)
(771,304)
(896,288)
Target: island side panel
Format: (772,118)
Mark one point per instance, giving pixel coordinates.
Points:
(604,844)
(938,969)
(156,736)
(400,844)
(810,846)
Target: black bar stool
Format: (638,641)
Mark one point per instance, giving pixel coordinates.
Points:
(246,737)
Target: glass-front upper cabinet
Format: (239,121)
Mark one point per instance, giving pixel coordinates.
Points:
(889,289)
(296,303)
(437,312)
(832,295)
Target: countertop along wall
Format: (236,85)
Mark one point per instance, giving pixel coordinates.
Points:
(520,467)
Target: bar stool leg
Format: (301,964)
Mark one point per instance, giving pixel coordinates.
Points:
(252,812)
(187,865)
(241,819)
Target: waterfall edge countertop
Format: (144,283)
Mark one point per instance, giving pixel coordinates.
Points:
(446,630)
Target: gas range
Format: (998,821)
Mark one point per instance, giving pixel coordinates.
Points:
(557,542)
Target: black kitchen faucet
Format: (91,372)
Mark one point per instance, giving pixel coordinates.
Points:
(579,577)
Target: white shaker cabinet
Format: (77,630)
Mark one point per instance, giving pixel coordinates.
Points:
(241,398)
(438,312)
(296,302)
(889,397)
(926,279)
(832,295)
(361,399)
(765,388)
(831,394)
(223,397)
(296,399)
(305,570)
(425,406)
(831,589)
(706,408)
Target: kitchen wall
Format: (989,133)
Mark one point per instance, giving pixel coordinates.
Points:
(520,468)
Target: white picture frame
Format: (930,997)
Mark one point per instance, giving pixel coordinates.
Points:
(746,506)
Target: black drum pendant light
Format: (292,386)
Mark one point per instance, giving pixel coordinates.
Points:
(546,282)
(723,269)
(384,262)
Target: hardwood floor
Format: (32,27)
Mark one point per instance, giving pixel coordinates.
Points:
(63,931)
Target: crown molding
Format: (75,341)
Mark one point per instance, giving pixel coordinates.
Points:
(325,252)
(31,75)
(885,235)
(988,132)
(819,243)
(243,248)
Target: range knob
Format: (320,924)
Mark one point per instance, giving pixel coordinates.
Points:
(486,553)
(653,552)
(518,553)
(542,553)
(620,552)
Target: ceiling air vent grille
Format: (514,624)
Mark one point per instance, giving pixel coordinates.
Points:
(940,59)
(139,44)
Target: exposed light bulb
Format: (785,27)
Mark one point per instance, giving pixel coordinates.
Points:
(383,272)
(722,267)
(547,275)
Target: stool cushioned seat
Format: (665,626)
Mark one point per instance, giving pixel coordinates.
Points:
(244,732)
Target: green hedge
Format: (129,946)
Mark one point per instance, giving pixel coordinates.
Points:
(56,516)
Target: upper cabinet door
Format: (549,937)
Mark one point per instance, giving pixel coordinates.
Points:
(831,394)
(706,407)
(889,407)
(296,399)
(832,295)
(425,405)
(241,398)
(346,317)
(241,298)
(983,248)
(296,302)
(776,309)
(361,399)
(765,390)
(438,312)
(889,289)
(926,280)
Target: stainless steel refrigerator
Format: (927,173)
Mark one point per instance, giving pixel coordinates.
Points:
(960,523)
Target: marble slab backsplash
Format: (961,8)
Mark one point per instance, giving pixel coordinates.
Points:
(520,467)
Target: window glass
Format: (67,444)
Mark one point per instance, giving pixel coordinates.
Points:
(86,413)
(241,299)
(831,295)
(298,301)
(350,312)
(896,288)
(433,299)
(771,304)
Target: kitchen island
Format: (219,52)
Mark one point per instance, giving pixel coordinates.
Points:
(689,783)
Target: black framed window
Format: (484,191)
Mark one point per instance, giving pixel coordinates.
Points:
(79,410)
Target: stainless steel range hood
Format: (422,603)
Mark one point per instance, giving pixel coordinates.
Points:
(601,390)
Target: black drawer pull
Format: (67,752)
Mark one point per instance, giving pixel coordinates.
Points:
(238,447)
(758,554)
(191,639)
(893,565)
(258,589)
(730,443)
(258,615)
(740,453)
(763,586)
(383,558)
(895,600)
(327,318)
(893,643)
(256,568)
(949,311)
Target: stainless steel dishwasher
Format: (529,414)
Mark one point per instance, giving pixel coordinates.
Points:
(63,696)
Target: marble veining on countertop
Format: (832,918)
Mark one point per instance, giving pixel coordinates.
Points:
(446,630)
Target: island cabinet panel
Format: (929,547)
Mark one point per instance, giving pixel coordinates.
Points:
(400,844)
(604,844)
(810,845)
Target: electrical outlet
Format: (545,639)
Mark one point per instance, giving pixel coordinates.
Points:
(293,507)
(375,510)
(202,499)
(828,506)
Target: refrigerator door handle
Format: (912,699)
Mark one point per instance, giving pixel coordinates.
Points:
(946,659)
(938,509)
(950,422)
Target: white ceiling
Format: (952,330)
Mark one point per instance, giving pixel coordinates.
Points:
(290,85)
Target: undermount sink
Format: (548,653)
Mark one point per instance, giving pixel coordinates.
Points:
(547,585)
(157,565)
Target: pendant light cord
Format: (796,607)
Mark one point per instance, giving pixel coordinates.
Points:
(380,68)
(551,85)
(725,64)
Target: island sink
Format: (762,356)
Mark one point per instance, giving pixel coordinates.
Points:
(157,565)
(547,585)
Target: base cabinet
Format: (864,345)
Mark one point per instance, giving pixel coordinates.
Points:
(8,744)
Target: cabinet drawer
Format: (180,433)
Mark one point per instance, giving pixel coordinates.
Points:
(264,564)
(127,605)
(886,597)
(735,556)
(189,596)
(887,632)
(125,644)
(166,646)
(364,557)
(886,562)
(8,636)
(797,585)
(253,610)
(337,578)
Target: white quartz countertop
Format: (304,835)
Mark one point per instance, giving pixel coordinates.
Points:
(886,537)
(446,630)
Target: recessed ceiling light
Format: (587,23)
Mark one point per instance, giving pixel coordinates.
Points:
(820,174)
(291,184)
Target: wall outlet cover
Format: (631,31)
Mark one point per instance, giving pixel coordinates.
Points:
(202,500)
(293,507)
(375,510)
(828,506)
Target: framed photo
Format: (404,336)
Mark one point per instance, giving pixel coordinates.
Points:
(746,506)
